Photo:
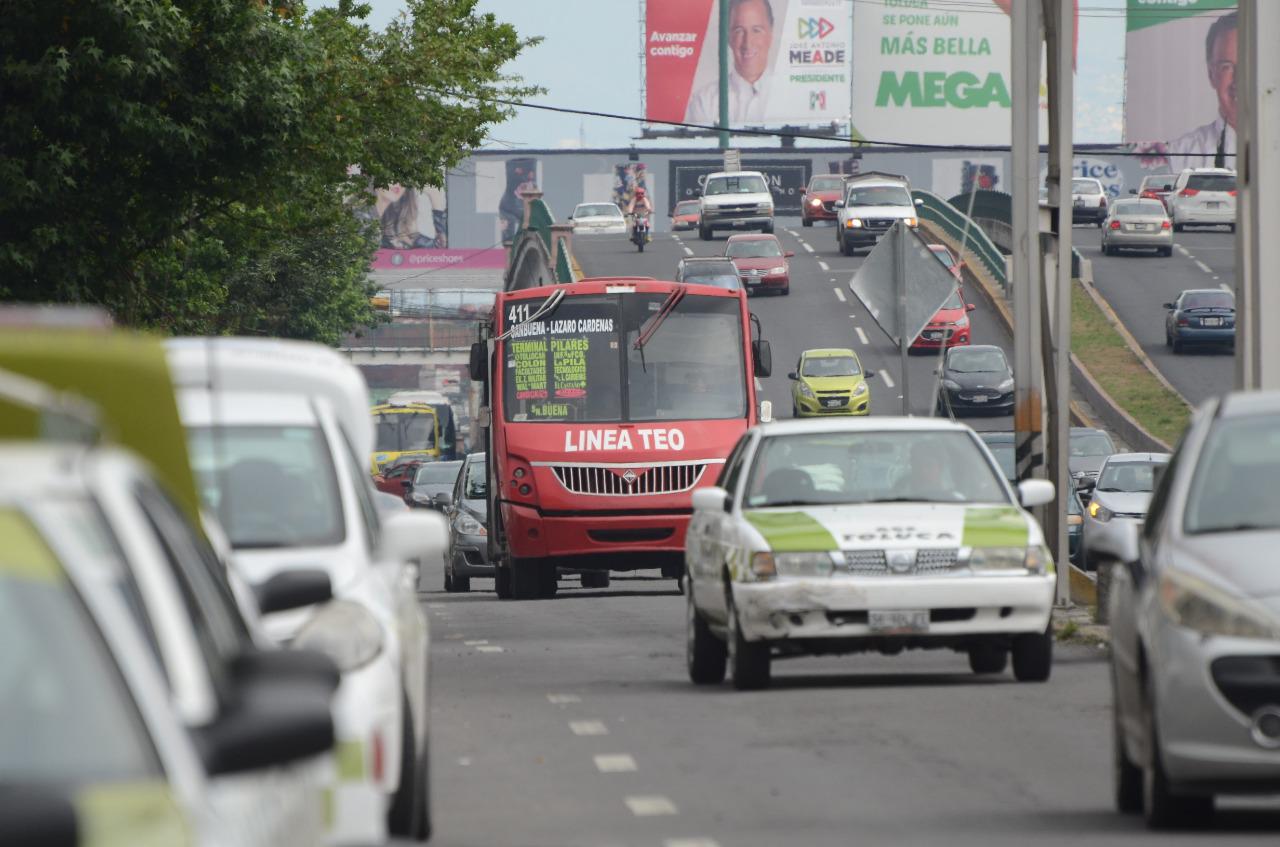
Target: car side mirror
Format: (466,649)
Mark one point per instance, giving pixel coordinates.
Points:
(789,254)
(919,201)
(444,499)
(479,364)
(407,483)
(413,534)
(712,499)
(1035,492)
(839,204)
(868,374)
(293,589)
(762,352)
(969,307)
(1168,306)
(793,375)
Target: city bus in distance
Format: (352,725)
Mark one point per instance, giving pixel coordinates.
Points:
(404,431)
(444,415)
(608,402)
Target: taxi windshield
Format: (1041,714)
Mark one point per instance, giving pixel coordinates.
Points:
(831,366)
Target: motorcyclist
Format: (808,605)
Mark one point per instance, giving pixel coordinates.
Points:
(640,205)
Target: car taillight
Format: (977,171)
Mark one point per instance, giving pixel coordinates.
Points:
(1188,192)
(1232,192)
(1164,224)
(1183,322)
(1148,194)
(1115,224)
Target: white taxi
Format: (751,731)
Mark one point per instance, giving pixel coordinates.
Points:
(876,534)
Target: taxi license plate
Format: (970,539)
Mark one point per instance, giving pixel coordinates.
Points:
(979,398)
(1212,321)
(831,404)
(899,621)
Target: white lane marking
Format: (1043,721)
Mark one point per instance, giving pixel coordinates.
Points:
(1183,250)
(476,643)
(888,380)
(561,699)
(688,252)
(588,728)
(490,648)
(650,805)
(465,761)
(839,294)
(1224,286)
(824,265)
(615,763)
(435,605)
(690,842)
(806,245)
(1202,266)
(862,336)
(793,232)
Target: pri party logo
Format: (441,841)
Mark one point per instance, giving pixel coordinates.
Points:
(815,28)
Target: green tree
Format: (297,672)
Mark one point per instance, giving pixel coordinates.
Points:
(185,162)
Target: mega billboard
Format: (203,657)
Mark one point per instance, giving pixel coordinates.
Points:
(790,61)
(923,75)
(1180,83)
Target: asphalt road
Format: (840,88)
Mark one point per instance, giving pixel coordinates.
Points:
(571,722)
(1136,283)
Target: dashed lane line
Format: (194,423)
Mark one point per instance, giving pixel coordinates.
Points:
(588,728)
(563,699)
(839,294)
(490,648)
(615,763)
(888,380)
(862,336)
(824,265)
(690,842)
(651,805)
(807,246)
(1183,250)
(1202,266)
(688,252)
(477,642)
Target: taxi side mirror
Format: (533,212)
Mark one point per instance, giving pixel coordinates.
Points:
(793,375)
(712,499)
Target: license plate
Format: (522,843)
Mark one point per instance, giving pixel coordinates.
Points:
(933,336)
(1079,202)
(979,398)
(751,280)
(1213,204)
(1211,321)
(831,404)
(1140,227)
(899,621)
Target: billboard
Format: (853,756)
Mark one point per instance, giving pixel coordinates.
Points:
(790,61)
(922,74)
(1180,92)
(787,179)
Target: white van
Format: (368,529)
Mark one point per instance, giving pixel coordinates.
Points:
(1203,196)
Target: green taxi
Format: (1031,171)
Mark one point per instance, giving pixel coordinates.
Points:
(830,381)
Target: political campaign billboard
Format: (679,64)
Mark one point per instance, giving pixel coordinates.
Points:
(925,74)
(789,61)
(1180,82)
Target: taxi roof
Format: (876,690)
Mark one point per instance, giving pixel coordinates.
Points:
(826,352)
(879,423)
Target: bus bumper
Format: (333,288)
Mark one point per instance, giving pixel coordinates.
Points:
(616,542)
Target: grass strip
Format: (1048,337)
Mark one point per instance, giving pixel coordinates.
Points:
(1101,349)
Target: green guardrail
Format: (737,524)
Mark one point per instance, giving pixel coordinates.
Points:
(564,271)
(998,206)
(540,220)
(938,211)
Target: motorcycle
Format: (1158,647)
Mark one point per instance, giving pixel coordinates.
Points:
(640,231)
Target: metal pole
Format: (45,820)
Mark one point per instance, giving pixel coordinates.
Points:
(724,74)
(1027,268)
(904,340)
(1258,211)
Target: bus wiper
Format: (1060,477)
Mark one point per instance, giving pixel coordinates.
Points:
(651,326)
(544,311)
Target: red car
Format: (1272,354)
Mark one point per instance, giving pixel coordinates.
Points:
(395,479)
(818,200)
(685,215)
(944,256)
(761,262)
(950,326)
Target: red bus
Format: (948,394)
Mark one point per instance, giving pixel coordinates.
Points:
(609,401)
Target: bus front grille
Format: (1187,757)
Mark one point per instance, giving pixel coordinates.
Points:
(630,480)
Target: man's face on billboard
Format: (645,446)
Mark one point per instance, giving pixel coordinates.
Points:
(1222,74)
(750,35)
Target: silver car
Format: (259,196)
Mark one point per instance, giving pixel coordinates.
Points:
(1195,621)
(1121,496)
(1140,224)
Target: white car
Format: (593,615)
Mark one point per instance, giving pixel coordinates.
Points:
(599,219)
(873,202)
(1121,496)
(279,453)
(130,682)
(875,534)
(734,200)
(1203,196)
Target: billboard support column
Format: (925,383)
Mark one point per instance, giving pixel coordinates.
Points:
(1258,210)
(904,340)
(724,74)
(1028,270)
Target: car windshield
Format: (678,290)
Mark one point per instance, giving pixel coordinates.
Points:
(270,486)
(954,301)
(1211,182)
(831,366)
(69,719)
(1140,208)
(1091,444)
(437,473)
(719,279)
(687,207)
(1208,300)
(879,195)
(1085,186)
(944,256)
(476,486)
(826,183)
(398,432)
(828,468)
(1234,488)
(753,248)
(1128,477)
(735,185)
(597,210)
(976,361)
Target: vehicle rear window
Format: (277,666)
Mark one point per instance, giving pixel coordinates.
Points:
(1211,182)
(686,207)
(1159,183)
(1209,300)
(1086,186)
(597,210)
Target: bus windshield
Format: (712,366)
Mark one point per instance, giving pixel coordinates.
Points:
(403,432)
(583,365)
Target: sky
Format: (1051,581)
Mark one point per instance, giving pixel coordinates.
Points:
(590,58)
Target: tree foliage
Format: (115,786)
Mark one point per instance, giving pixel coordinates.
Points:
(185,163)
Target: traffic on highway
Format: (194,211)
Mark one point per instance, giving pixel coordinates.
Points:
(682,501)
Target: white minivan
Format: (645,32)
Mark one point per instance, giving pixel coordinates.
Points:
(1203,197)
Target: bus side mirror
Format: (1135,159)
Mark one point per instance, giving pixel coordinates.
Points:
(479,361)
(762,353)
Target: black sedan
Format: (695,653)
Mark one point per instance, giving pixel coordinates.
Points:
(467,509)
(1201,316)
(975,379)
(429,482)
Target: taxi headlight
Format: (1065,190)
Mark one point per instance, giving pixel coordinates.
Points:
(805,390)
(1197,605)
(803,564)
(465,524)
(853,223)
(860,390)
(1032,559)
(346,631)
(763,566)
(1099,512)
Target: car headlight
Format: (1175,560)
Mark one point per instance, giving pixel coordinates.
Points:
(912,221)
(963,322)
(781,269)
(767,565)
(853,223)
(346,631)
(1099,512)
(860,390)
(815,201)
(1192,603)
(419,497)
(1007,385)
(805,390)
(1032,559)
(465,524)
(951,385)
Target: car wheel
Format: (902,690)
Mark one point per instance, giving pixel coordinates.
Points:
(1168,339)
(461,584)
(786,289)
(595,579)
(1177,346)
(767,229)
(1160,806)
(806,222)
(705,654)
(1231,227)
(1166,251)
(749,661)
(846,247)
(1033,656)
(410,812)
(988,658)
(1127,776)
(704,233)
